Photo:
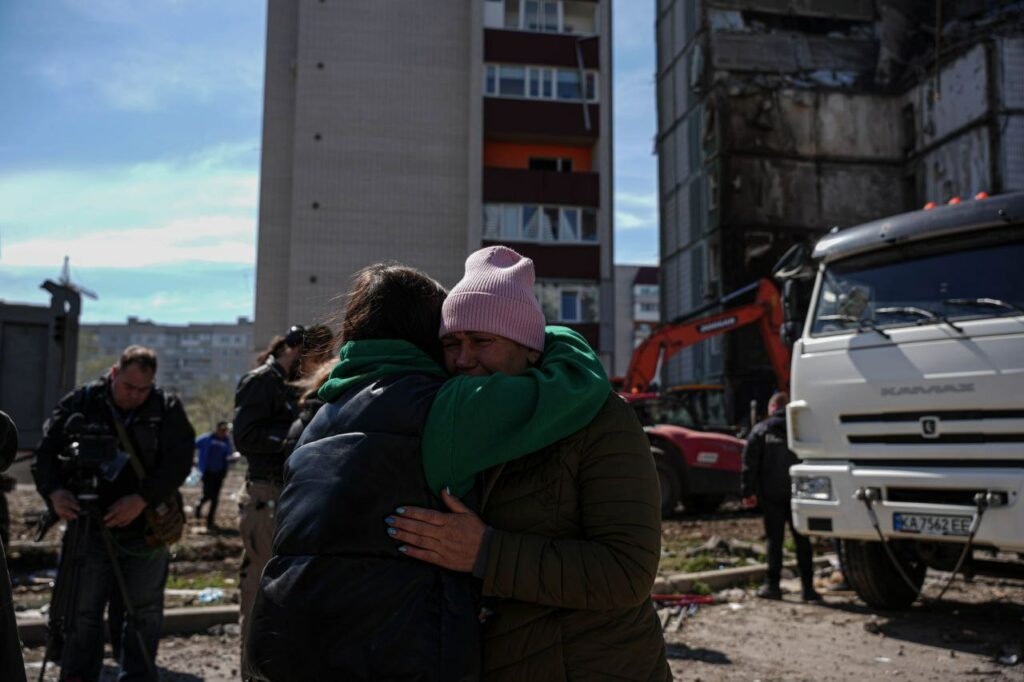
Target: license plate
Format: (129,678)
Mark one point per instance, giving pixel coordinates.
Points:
(931,524)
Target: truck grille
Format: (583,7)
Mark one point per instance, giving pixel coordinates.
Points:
(934,427)
(944,415)
(946,439)
(953,496)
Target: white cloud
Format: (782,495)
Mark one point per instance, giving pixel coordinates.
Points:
(159,74)
(197,209)
(636,211)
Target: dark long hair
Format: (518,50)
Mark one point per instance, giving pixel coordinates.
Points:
(274,347)
(392,301)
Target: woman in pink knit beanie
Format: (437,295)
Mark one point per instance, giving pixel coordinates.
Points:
(568,538)
(491,321)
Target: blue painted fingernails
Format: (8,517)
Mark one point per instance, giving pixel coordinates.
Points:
(390,520)
(403,549)
(392,531)
(400,510)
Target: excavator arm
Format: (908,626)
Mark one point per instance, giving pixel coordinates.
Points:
(670,338)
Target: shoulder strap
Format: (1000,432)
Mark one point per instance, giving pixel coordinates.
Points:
(126,443)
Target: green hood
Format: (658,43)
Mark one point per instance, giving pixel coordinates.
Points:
(372,359)
(476,423)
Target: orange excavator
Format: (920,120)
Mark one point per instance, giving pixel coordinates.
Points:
(697,467)
(682,332)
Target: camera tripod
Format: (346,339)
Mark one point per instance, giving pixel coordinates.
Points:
(64,602)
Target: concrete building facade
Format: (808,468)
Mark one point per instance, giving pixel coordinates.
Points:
(637,306)
(417,132)
(188,356)
(780,120)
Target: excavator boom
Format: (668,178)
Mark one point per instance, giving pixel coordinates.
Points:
(670,338)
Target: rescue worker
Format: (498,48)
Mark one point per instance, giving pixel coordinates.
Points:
(765,479)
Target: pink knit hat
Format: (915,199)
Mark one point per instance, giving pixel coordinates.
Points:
(496,296)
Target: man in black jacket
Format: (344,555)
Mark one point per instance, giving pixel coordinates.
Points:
(159,433)
(265,407)
(765,479)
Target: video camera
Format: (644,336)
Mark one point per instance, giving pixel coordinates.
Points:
(92,452)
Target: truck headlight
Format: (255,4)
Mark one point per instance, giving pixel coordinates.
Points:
(812,487)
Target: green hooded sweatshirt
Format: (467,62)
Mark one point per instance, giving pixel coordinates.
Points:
(478,422)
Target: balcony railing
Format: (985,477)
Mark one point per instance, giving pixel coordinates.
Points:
(540,121)
(522,186)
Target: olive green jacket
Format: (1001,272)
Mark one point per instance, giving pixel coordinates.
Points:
(571,558)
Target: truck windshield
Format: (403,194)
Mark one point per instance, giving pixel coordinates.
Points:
(930,282)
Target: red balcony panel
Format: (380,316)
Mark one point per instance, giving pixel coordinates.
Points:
(560,261)
(519,186)
(545,49)
(540,121)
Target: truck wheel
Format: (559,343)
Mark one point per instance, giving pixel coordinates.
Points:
(702,504)
(871,573)
(669,482)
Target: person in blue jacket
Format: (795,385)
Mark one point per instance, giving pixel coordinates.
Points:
(214,450)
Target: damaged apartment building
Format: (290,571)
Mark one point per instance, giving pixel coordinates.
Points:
(779,119)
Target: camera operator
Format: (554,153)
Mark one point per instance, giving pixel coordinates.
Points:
(12,667)
(142,474)
(265,407)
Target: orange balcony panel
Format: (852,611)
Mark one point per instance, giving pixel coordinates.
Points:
(518,155)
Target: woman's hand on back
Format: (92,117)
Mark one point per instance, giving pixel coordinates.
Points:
(448,540)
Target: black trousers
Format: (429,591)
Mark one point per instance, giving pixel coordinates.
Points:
(212,482)
(777,514)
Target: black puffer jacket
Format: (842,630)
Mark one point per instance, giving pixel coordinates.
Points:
(767,458)
(265,407)
(338,601)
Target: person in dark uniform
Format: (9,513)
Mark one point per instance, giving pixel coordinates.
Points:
(12,667)
(765,479)
(265,408)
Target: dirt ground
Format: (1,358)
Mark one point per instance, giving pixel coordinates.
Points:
(976,632)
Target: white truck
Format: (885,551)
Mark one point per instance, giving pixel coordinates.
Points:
(907,397)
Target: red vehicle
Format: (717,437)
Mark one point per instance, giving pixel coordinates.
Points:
(696,465)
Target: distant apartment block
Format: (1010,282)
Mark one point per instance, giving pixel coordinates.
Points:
(637,310)
(188,355)
(421,131)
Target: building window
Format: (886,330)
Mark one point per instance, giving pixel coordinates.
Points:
(570,308)
(548,16)
(549,164)
(588,229)
(568,302)
(540,82)
(541,16)
(569,85)
(514,222)
(512,81)
(491,80)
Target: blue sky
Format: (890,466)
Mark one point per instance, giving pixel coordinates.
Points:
(131,144)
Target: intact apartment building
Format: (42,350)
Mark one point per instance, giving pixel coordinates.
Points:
(636,310)
(779,120)
(419,132)
(187,355)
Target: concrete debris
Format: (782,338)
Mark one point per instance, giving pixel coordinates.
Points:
(873,626)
